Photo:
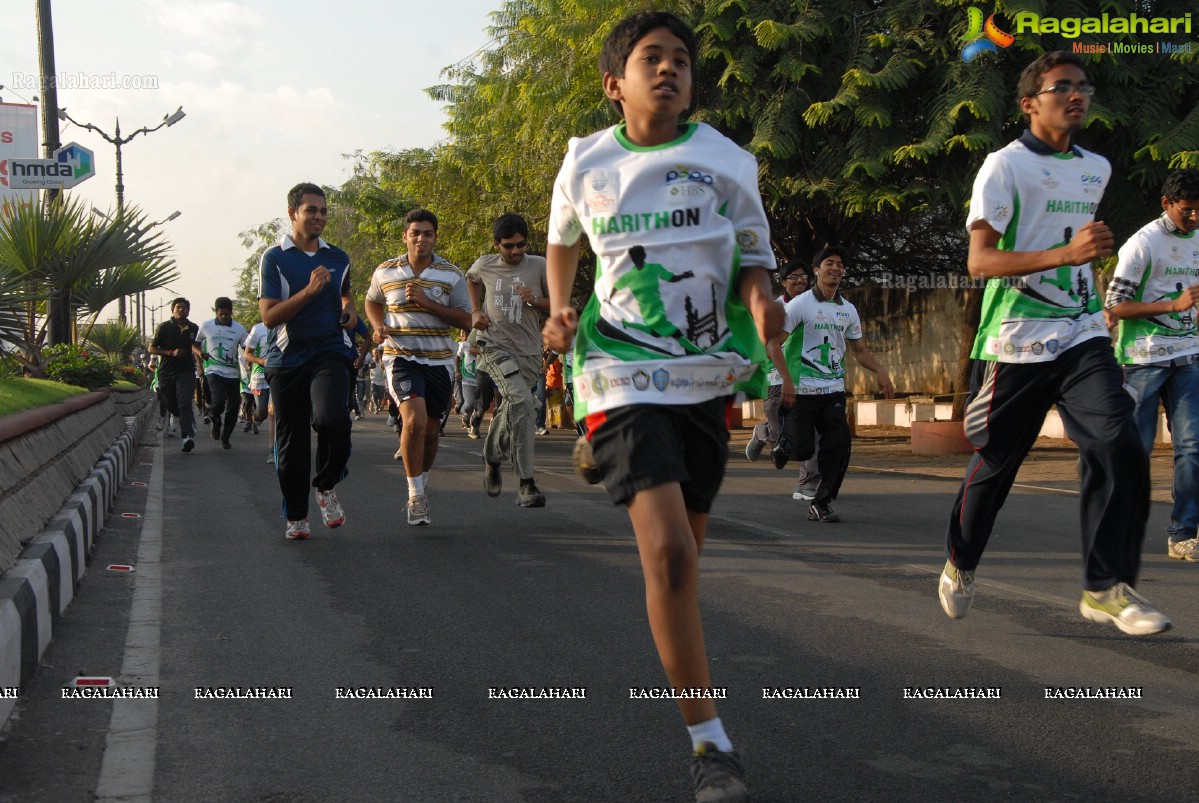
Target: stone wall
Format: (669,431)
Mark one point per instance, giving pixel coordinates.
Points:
(917,336)
(45,453)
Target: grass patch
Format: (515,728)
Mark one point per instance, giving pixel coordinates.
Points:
(18,395)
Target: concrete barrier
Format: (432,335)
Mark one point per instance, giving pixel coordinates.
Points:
(82,453)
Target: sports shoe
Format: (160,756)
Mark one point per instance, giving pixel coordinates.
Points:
(584,460)
(331,510)
(160,425)
(216,429)
(493,483)
(188,445)
(542,431)
(1187,550)
(803,494)
(1124,608)
(819,512)
(719,777)
(753,449)
(225,444)
(270,455)
(207,418)
(254,428)
(473,432)
(298,530)
(399,455)
(246,427)
(779,456)
(418,510)
(956,591)
(529,495)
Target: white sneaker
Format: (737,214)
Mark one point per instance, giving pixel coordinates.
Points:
(418,510)
(1187,550)
(297,530)
(803,494)
(1124,608)
(956,591)
(331,510)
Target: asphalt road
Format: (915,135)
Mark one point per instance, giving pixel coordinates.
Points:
(495,596)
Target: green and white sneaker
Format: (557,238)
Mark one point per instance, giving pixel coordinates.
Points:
(719,777)
(1124,608)
(956,591)
(1187,550)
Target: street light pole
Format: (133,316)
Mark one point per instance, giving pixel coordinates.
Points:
(117,140)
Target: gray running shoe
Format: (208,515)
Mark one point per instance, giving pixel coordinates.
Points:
(418,510)
(753,449)
(297,530)
(1124,608)
(584,460)
(719,777)
(819,512)
(956,591)
(803,494)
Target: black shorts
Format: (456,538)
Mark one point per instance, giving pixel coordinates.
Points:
(409,379)
(642,446)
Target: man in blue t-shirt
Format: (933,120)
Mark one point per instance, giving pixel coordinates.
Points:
(304,297)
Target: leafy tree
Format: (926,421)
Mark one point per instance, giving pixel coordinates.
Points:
(257,240)
(59,251)
(116,341)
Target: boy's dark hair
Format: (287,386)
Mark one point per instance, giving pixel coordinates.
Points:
(828,251)
(1030,79)
(223,302)
(1182,185)
(509,225)
(419,216)
(297,193)
(180,300)
(631,30)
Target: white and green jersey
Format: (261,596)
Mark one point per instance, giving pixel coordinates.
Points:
(815,346)
(416,334)
(243,370)
(1037,198)
(469,363)
(1156,264)
(221,344)
(671,227)
(256,342)
(773,377)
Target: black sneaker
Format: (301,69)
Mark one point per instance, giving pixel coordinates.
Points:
(529,495)
(225,444)
(779,457)
(188,445)
(492,481)
(216,429)
(818,512)
(719,777)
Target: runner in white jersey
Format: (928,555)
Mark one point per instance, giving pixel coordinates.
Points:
(1154,293)
(821,329)
(220,340)
(679,314)
(255,351)
(413,304)
(1042,341)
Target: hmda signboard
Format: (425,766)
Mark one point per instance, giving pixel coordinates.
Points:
(72,163)
(18,140)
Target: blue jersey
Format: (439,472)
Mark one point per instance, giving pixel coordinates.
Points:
(316,327)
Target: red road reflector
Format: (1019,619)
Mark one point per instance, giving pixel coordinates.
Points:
(92,681)
(120,567)
(138,484)
(131,515)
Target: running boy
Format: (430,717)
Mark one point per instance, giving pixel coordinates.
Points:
(683,261)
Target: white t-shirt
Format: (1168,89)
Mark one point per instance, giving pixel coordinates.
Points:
(815,347)
(256,342)
(1038,201)
(221,344)
(670,226)
(1156,264)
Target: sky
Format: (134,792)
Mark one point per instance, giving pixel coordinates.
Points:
(274,92)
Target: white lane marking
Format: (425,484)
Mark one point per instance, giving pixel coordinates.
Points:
(127,769)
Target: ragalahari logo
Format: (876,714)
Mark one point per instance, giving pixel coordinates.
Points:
(985,37)
(80,159)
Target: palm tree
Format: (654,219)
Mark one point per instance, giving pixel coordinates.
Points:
(116,341)
(58,252)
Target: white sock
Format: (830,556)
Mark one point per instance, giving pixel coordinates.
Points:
(424,480)
(416,486)
(710,731)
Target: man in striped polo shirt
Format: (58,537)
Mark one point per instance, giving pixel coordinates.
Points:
(413,302)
